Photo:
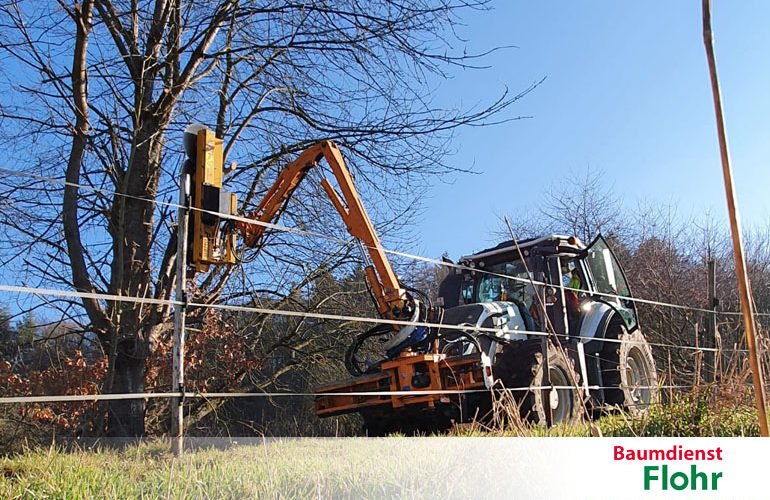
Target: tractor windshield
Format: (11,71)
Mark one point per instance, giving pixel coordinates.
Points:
(507,281)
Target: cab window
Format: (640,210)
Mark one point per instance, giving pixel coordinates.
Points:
(609,279)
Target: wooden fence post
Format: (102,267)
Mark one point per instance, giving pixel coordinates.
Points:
(177,377)
(711,326)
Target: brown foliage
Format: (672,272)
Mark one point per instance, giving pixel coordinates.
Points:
(72,375)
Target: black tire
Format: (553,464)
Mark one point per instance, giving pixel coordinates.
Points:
(520,364)
(628,371)
(407,423)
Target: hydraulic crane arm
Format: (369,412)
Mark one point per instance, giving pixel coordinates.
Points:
(393,301)
(412,361)
(213,239)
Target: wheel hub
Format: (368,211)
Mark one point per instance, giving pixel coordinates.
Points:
(554,399)
(559,397)
(637,377)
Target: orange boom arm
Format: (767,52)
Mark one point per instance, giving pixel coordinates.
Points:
(392,300)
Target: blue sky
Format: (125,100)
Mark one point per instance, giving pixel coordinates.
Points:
(626,91)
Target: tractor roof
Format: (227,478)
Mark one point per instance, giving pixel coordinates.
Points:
(552,240)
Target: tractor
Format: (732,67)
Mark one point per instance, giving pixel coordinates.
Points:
(557,304)
(548,319)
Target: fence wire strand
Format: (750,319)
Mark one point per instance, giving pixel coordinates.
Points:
(335,317)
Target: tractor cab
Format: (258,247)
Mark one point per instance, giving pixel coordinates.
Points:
(566,276)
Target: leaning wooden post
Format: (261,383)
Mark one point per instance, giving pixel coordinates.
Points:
(710,342)
(177,377)
(744,288)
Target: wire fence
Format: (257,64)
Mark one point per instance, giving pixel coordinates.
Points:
(77,398)
(693,349)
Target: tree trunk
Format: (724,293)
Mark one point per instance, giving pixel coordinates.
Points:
(132,224)
(126,417)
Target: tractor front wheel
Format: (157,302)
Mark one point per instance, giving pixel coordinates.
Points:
(547,402)
(628,371)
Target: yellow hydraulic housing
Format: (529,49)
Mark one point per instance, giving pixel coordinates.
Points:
(209,245)
(212,245)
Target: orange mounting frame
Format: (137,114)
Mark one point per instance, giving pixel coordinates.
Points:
(382,279)
(375,392)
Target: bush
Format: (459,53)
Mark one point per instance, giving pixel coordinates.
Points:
(686,415)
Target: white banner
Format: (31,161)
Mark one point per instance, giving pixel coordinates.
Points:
(532,468)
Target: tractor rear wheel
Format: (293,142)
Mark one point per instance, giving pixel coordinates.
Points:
(520,365)
(628,371)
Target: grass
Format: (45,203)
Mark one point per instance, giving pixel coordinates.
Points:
(322,468)
(307,468)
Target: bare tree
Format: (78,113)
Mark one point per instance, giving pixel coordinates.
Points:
(97,94)
(580,204)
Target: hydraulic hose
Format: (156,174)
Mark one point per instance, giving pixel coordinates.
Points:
(350,355)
